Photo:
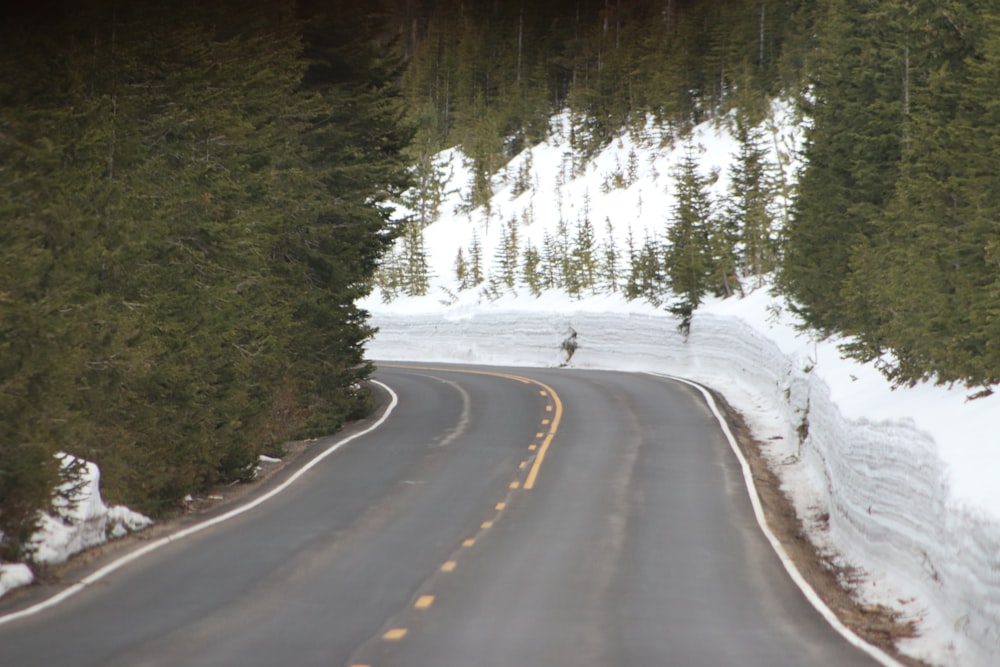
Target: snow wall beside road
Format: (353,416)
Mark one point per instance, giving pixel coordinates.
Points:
(881,483)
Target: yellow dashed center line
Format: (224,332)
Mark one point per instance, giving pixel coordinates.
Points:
(529,482)
(545,390)
(425,601)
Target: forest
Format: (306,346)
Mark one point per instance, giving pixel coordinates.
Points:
(195,196)
(192,204)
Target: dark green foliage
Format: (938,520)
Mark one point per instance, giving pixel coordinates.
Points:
(474,267)
(748,218)
(190,212)
(894,237)
(853,154)
(462,271)
(507,255)
(583,267)
(488,75)
(609,261)
(647,273)
(692,246)
(404,269)
(28,474)
(531,275)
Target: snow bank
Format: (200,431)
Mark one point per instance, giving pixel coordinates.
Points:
(882,482)
(13,575)
(81,523)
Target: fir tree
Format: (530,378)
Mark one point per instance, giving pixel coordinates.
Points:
(213,214)
(507,255)
(531,274)
(552,277)
(584,255)
(749,203)
(853,151)
(647,273)
(416,272)
(475,266)
(688,256)
(609,264)
(462,276)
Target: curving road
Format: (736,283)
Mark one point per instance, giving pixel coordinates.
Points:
(498,517)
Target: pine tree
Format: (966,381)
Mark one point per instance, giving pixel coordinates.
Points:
(609,264)
(922,282)
(462,276)
(749,203)
(475,266)
(507,255)
(416,271)
(688,257)
(201,188)
(561,255)
(853,153)
(531,274)
(552,276)
(584,254)
(647,273)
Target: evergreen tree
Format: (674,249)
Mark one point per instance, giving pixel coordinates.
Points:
(390,277)
(584,261)
(475,266)
(200,189)
(531,273)
(689,264)
(415,269)
(427,193)
(462,276)
(923,280)
(647,273)
(853,151)
(749,203)
(507,255)
(552,276)
(560,254)
(609,260)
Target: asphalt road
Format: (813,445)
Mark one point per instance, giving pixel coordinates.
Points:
(516,517)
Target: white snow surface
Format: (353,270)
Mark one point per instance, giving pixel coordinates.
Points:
(906,476)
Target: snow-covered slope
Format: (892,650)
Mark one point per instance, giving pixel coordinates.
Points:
(905,476)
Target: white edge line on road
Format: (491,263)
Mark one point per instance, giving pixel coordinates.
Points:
(99,574)
(793,572)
